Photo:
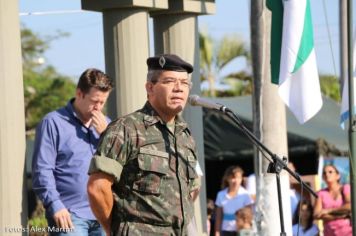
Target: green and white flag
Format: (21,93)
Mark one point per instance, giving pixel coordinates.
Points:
(293,61)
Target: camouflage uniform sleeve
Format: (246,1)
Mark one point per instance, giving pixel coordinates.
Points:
(112,151)
(195,185)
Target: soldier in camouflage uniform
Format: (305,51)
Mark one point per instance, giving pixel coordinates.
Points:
(143,178)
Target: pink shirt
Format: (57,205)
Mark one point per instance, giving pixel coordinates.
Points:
(339,227)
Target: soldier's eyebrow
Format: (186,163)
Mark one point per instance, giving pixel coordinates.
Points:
(174,78)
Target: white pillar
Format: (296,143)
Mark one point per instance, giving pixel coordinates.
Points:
(13,197)
(126,51)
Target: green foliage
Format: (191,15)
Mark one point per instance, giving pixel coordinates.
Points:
(229,48)
(38,222)
(214,56)
(330,87)
(32,47)
(44,88)
(44,94)
(206,52)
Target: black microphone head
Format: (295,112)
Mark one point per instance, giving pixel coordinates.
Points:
(193,100)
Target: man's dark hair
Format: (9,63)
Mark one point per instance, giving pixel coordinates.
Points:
(94,78)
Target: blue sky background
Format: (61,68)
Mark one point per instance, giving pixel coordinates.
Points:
(84,47)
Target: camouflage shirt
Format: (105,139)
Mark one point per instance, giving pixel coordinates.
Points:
(154,170)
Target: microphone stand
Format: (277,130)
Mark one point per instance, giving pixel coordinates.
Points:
(276,165)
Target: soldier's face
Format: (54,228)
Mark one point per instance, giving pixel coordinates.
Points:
(170,93)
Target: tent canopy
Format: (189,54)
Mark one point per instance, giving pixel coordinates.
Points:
(224,141)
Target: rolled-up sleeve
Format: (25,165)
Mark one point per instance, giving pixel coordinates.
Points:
(113,149)
(106,165)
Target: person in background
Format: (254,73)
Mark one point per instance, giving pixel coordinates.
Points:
(66,140)
(210,211)
(333,204)
(144,175)
(231,198)
(244,221)
(251,185)
(303,220)
(294,195)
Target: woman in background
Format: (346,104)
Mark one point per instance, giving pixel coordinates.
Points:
(333,204)
(304,225)
(231,198)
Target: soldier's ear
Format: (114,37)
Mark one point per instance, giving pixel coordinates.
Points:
(149,87)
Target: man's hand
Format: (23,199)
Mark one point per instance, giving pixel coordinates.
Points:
(99,121)
(63,220)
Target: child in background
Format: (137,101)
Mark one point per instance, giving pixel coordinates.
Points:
(231,198)
(244,217)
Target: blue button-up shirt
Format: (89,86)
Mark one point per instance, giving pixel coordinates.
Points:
(62,153)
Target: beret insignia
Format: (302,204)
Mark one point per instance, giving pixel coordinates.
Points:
(162,61)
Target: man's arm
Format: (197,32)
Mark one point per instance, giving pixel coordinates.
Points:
(101,198)
(218,220)
(43,164)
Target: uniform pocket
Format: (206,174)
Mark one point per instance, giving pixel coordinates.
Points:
(153,166)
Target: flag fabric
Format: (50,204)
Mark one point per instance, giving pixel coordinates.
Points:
(293,60)
(344,114)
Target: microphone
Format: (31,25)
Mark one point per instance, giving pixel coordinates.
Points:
(195,100)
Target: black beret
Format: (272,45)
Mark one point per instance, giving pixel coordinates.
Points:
(168,62)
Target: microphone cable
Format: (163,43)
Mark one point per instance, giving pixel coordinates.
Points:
(248,133)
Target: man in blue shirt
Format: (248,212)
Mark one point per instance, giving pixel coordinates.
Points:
(66,140)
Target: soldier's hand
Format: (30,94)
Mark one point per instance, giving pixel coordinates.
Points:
(194,194)
(99,121)
(63,220)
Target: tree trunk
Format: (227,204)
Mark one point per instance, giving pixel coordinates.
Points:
(211,81)
(269,126)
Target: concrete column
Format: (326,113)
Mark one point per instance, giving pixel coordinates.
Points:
(273,134)
(13,200)
(178,34)
(126,49)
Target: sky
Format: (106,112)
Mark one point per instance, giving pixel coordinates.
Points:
(84,47)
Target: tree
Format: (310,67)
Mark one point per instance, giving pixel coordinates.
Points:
(330,87)
(214,56)
(44,88)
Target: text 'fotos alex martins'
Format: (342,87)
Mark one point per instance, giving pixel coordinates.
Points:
(35,229)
